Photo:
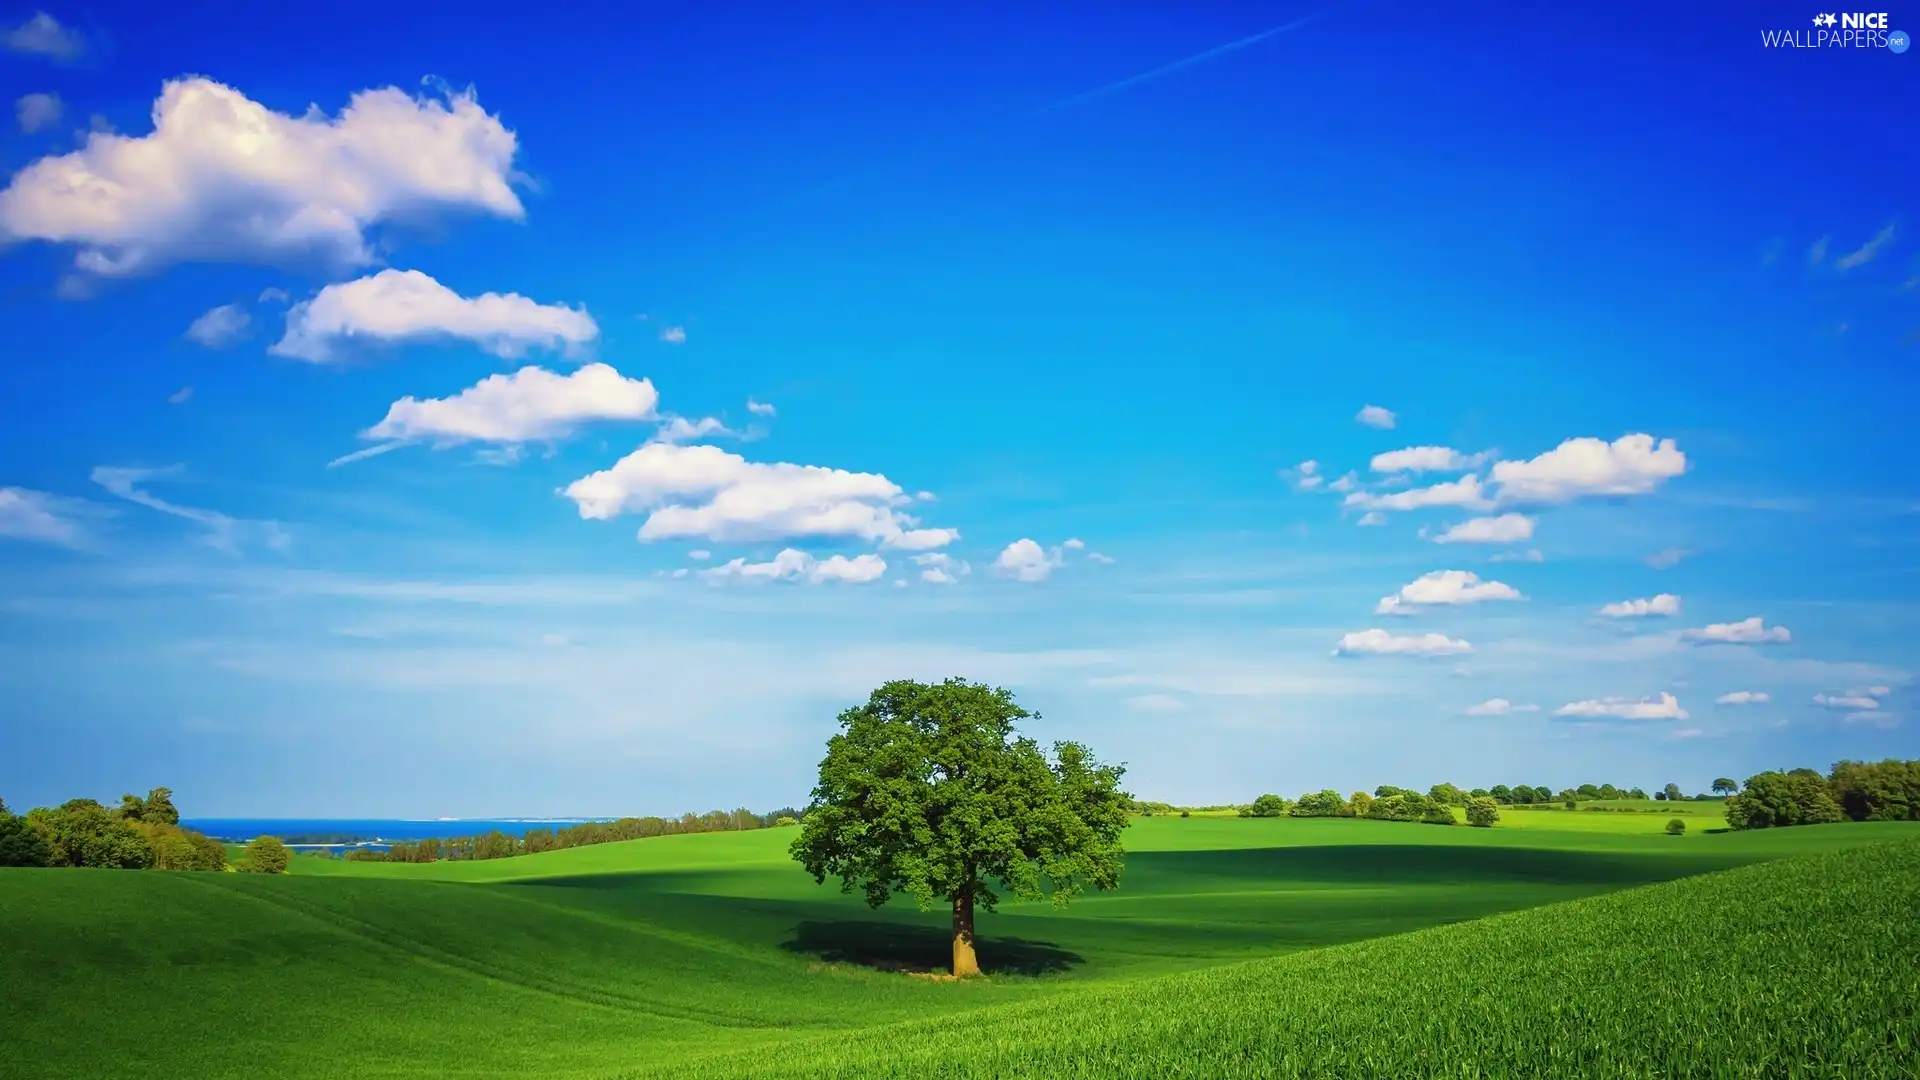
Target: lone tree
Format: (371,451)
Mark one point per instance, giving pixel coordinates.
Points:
(1725,786)
(928,791)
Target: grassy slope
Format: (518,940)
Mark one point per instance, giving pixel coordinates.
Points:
(1799,969)
(576,963)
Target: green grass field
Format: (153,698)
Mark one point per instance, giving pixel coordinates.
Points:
(1235,947)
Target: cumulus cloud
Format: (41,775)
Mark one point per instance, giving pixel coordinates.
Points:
(36,111)
(759,408)
(1530,555)
(1664,707)
(221,327)
(1629,465)
(529,404)
(1026,560)
(795,565)
(1865,253)
(395,306)
(43,35)
(1465,491)
(1425,459)
(1504,529)
(224,178)
(1744,697)
(1667,559)
(223,532)
(1444,587)
(1306,476)
(705,492)
(1663,604)
(1346,483)
(38,516)
(940,568)
(1378,642)
(1497,707)
(678,429)
(674,335)
(1748,631)
(1374,416)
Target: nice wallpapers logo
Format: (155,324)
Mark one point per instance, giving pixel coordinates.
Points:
(1841,30)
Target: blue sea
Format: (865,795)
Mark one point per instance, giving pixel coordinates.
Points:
(367,832)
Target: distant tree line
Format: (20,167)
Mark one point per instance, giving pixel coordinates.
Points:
(1851,791)
(139,834)
(500,845)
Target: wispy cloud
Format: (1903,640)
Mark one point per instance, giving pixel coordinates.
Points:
(1195,60)
(223,532)
(1865,253)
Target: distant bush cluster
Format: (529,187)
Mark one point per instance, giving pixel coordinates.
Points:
(1852,790)
(499,845)
(139,834)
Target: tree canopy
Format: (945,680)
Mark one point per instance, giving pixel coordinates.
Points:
(928,791)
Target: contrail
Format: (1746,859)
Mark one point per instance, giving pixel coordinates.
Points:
(357,455)
(1178,65)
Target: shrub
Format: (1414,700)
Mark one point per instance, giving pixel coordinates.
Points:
(1676,827)
(1186,813)
(265,855)
(1571,804)
(783,820)
(1482,812)
(1269,806)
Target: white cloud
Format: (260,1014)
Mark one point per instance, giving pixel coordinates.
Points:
(36,515)
(220,327)
(1667,559)
(1378,642)
(679,429)
(1664,707)
(1504,529)
(1094,556)
(674,335)
(1346,483)
(941,568)
(759,408)
(223,532)
(42,35)
(707,492)
(529,404)
(1026,560)
(224,178)
(1748,631)
(1629,465)
(1306,475)
(1425,459)
(273,294)
(699,554)
(406,305)
(1861,700)
(1817,251)
(1744,697)
(1530,555)
(1372,517)
(1465,491)
(36,111)
(1073,544)
(180,396)
(1497,707)
(1444,587)
(1662,604)
(1374,416)
(795,565)
(1865,253)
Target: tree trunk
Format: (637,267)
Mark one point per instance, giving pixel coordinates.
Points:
(964,961)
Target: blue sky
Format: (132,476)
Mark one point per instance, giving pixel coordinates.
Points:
(967,350)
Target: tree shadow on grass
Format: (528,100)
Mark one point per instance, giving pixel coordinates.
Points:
(888,946)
